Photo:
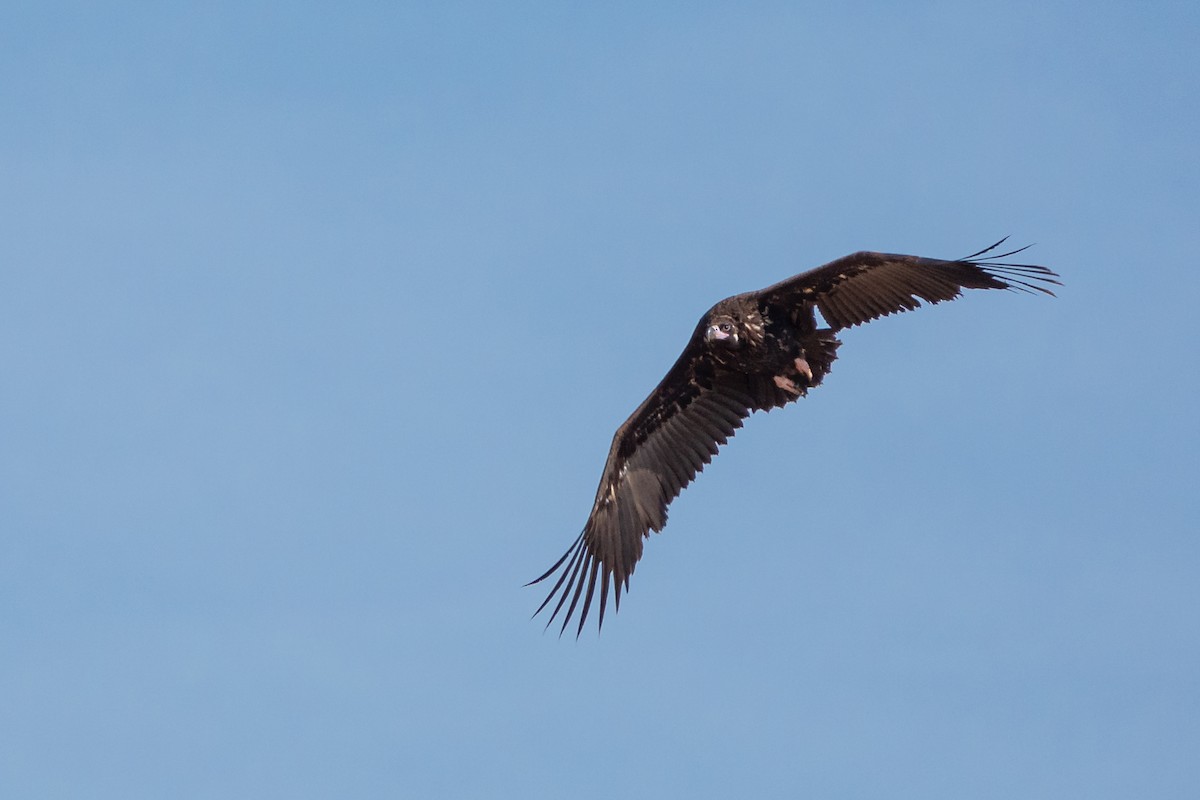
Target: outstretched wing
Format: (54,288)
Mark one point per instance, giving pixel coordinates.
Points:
(699,405)
(865,286)
(654,455)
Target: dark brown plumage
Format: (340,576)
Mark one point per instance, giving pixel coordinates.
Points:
(750,352)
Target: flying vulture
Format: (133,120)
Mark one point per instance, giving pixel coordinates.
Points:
(750,352)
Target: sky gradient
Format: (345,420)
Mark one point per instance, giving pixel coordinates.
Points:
(316,322)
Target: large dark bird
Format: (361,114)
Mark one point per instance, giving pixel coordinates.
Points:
(750,352)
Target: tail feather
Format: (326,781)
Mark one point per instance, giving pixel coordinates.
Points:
(821,351)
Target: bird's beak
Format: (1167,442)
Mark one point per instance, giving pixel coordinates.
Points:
(715,332)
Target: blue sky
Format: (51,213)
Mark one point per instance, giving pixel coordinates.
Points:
(316,321)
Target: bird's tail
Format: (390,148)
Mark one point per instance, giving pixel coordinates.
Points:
(820,351)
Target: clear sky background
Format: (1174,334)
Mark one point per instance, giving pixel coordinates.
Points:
(316,321)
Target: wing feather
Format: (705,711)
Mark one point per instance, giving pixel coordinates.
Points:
(674,472)
(654,455)
(865,286)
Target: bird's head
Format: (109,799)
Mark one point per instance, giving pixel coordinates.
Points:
(722,330)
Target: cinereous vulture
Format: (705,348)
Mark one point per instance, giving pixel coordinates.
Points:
(750,352)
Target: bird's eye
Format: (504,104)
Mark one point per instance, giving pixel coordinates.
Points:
(726,327)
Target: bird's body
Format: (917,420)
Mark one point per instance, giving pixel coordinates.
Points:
(750,352)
